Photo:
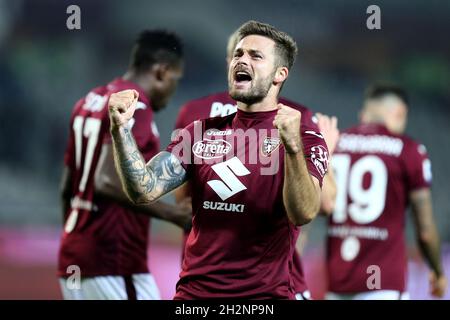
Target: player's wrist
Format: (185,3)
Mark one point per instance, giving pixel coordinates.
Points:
(293,146)
(116,128)
(439,273)
(292,150)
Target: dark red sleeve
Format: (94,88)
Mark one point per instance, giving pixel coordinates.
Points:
(417,166)
(316,152)
(309,119)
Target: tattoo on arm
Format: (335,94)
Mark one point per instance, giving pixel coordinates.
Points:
(143,182)
(168,170)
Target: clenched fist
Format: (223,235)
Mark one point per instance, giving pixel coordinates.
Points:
(121,106)
(287,121)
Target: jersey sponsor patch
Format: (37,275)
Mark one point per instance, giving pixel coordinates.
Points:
(269,145)
(215,132)
(211,149)
(219,109)
(223,206)
(228,171)
(319,157)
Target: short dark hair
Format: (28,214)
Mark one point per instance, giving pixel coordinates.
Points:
(380,90)
(284,44)
(156,46)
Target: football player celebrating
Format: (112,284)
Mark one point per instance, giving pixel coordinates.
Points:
(248,197)
(220,105)
(379,172)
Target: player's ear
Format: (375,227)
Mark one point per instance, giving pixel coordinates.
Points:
(160,71)
(281,75)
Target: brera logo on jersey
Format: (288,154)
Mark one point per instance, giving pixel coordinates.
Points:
(269,145)
(211,149)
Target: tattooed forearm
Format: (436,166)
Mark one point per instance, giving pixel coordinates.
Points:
(137,181)
(144,183)
(168,170)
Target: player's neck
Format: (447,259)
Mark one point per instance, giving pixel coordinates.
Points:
(135,78)
(375,120)
(267,104)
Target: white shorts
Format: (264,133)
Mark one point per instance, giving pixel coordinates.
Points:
(369,295)
(136,287)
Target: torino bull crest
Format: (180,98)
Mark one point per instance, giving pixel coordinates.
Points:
(269,145)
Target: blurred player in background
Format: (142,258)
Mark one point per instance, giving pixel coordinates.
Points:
(379,172)
(105,235)
(221,105)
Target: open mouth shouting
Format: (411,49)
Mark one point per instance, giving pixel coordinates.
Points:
(242,78)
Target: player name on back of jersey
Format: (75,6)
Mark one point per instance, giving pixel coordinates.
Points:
(370,232)
(357,143)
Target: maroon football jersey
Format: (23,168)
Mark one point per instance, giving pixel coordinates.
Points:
(375,171)
(242,243)
(101,236)
(221,105)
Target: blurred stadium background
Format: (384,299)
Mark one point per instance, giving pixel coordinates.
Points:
(45,68)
